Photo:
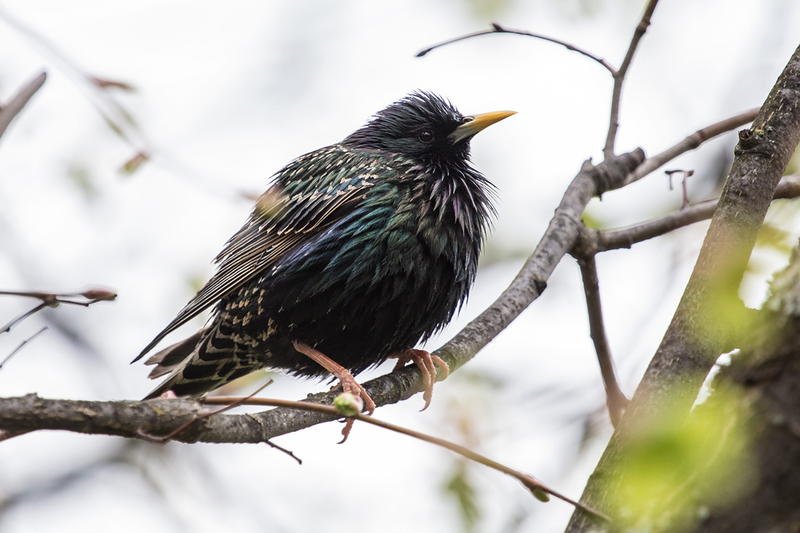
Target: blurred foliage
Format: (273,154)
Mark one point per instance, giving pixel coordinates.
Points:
(794,163)
(724,319)
(781,226)
(197,282)
(673,468)
(592,221)
(488,9)
(495,251)
(134,163)
(460,486)
(82,178)
(469,414)
(778,239)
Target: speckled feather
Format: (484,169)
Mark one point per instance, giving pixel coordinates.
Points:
(360,250)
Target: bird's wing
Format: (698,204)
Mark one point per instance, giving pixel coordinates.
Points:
(309,195)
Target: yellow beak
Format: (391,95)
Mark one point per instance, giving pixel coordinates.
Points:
(476,123)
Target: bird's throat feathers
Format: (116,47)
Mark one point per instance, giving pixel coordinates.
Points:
(459,196)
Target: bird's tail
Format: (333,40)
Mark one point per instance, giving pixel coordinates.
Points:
(195,365)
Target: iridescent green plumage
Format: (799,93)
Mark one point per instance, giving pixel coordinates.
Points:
(358,250)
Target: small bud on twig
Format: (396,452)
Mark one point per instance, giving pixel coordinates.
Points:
(348,404)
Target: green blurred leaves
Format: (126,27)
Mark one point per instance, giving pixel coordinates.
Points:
(674,467)
(461,488)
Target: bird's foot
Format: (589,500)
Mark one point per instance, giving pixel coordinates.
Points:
(346,380)
(427,364)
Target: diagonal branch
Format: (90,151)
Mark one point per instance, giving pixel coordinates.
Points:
(690,143)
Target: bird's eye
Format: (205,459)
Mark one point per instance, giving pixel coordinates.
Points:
(425,136)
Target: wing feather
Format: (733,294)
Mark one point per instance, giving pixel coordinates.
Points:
(309,195)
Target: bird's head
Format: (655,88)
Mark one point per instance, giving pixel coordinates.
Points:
(423,126)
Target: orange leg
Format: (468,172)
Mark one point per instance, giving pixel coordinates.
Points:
(346,379)
(427,364)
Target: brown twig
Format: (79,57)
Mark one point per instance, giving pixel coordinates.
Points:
(615,398)
(684,184)
(528,481)
(19,318)
(690,143)
(14,106)
(23,343)
(619,78)
(48,299)
(496,28)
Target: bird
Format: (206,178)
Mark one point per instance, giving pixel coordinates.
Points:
(355,253)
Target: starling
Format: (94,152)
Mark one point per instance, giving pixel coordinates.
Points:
(355,253)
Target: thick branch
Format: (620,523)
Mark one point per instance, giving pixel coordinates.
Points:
(697,336)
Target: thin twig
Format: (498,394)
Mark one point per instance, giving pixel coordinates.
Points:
(684,184)
(619,78)
(288,452)
(23,316)
(528,481)
(23,343)
(13,107)
(48,299)
(690,143)
(615,399)
(496,28)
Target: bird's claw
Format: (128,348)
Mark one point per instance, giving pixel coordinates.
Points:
(427,364)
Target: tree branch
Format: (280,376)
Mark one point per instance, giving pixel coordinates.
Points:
(690,143)
(615,398)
